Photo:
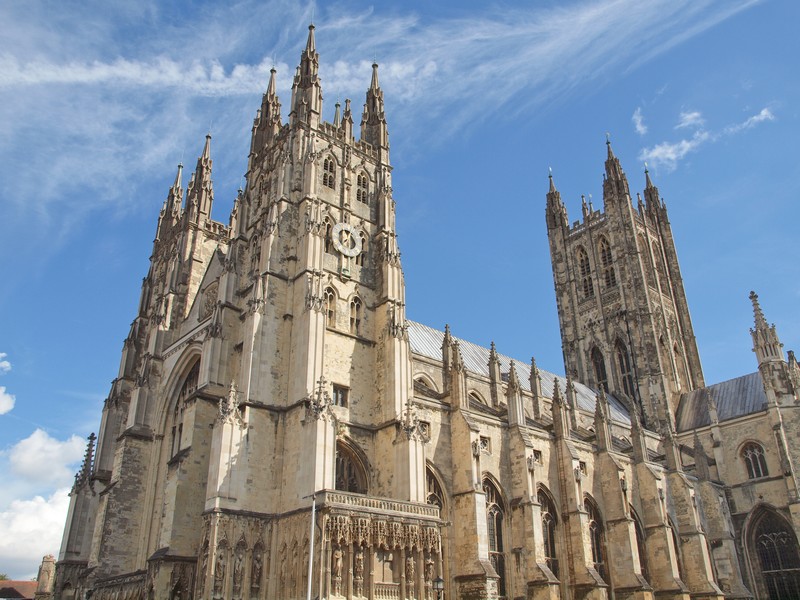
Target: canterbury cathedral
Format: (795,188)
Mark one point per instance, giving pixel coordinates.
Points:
(278,429)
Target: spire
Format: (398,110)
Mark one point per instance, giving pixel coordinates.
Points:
(200,195)
(373,122)
(555,211)
(608,146)
(516,411)
(766,343)
(601,428)
(337,116)
(616,184)
(536,389)
(560,422)
(347,120)
(306,89)
(650,191)
(170,213)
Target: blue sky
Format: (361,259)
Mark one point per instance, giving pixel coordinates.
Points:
(99,101)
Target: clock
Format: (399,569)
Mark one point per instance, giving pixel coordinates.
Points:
(346,240)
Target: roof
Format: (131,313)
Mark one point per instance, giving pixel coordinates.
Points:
(734,398)
(427,342)
(17,589)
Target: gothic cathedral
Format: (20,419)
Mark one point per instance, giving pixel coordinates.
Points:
(279,430)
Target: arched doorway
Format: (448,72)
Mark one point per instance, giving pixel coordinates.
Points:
(774,556)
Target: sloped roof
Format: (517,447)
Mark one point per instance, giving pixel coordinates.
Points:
(17,589)
(734,398)
(427,341)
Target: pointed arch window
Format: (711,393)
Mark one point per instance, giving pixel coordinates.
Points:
(434,494)
(584,272)
(549,524)
(355,315)
(495,512)
(641,546)
(778,553)
(607,262)
(361,255)
(328,236)
(754,460)
(596,535)
(329,173)
(330,307)
(350,473)
(188,387)
(362,188)
(625,371)
(599,366)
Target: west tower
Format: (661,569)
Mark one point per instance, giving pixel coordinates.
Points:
(622,309)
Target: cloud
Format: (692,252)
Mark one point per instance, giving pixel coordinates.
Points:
(690,119)
(29,529)
(761,117)
(6,401)
(638,121)
(668,154)
(5,366)
(43,460)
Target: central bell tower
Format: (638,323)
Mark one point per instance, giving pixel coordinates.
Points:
(625,323)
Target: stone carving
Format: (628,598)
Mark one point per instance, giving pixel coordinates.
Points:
(229,407)
(238,570)
(219,573)
(256,570)
(336,570)
(410,570)
(318,403)
(358,573)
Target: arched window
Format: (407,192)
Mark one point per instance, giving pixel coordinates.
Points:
(584,272)
(355,315)
(188,387)
(596,538)
(495,511)
(330,307)
(625,371)
(549,523)
(775,545)
(329,173)
(599,364)
(362,188)
(328,236)
(434,495)
(361,255)
(753,455)
(350,473)
(662,272)
(607,262)
(640,545)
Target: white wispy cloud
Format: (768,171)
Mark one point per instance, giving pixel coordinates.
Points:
(44,460)
(669,154)
(690,119)
(764,115)
(5,365)
(7,401)
(638,121)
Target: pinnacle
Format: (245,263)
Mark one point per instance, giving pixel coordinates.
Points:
(552,183)
(761,321)
(311,44)
(374,83)
(648,183)
(207,147)
(271,88)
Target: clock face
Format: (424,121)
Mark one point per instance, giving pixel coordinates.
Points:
(346,240)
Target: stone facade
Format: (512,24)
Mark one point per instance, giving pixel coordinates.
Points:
(279,428)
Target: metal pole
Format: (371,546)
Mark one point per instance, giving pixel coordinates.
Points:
(311,547)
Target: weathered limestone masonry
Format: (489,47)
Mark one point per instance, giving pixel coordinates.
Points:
(278,425)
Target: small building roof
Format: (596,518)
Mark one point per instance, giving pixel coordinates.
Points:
(427,341)
(17,589)
(733,398)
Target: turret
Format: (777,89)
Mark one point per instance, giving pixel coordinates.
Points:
(556,212)
(200,194)
(615,184)
(306,89)
(373,121)
(267,123)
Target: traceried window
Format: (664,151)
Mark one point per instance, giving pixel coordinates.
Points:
(355,315)
(362,188)
(607,263)
(340,395)
(754,460)
(584,272)
(330,307)
(188,387)
(778,556)
(625,371)
(596,538)
(549,523)
(599,365)
(350,473)
(329,173)
(495,511)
